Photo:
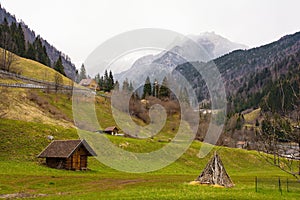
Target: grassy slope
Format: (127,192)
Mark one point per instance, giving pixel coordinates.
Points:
(22,141)
(252,116)
(47,108)
(22,172)
(35,106)
(36,70)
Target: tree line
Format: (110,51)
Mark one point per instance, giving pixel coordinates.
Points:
(12,41)
(155,89)
(106,82)
(149,89)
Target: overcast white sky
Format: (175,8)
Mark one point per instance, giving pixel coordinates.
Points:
(77,27)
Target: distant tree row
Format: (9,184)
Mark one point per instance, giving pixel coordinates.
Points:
(126,87)
(12,39)
(106,82)
(58,66)
(155,89)
(37,51)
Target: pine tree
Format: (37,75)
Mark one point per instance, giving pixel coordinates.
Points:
(117,86)
(5,25)
(164,91)
(106,81)
(82,74)
(40,52)
(30,53)
(21,41)
(6,39)
(45,59)
(125,87)
(147,88)
(97,78)
(13,34)
(5,32)
(110,81)
(101,83)
(59,66)
(130,88)
(155,88)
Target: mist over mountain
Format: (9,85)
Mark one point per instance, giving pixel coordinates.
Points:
(209,46)
(217,45)
(30,36)
(266,76)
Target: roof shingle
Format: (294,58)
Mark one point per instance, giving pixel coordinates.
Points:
(111,128)
(64,149)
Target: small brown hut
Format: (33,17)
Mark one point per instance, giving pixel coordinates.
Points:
(113,130)
(67,154)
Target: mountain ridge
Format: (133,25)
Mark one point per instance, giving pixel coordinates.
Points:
(251,75)
(210,46)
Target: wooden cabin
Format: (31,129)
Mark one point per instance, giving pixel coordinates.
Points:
(241,144)
(89,83)
(67,154)
(113,130)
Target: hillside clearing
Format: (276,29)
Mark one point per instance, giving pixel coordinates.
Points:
(35,70)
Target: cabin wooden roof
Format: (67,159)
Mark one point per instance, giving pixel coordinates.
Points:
(64,149)
(86,82)
(111,128)
(241,142)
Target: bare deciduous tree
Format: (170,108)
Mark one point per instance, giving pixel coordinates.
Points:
(58,81)
(7,59)
(276,143)
(70,90)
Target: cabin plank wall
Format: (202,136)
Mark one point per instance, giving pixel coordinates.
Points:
(76,161)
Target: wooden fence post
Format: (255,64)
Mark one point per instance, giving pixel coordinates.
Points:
(255,183)
(279,185)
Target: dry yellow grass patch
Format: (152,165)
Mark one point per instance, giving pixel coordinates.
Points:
(15,105)
(252,116)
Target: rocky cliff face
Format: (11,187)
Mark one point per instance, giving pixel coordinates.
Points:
(52,52)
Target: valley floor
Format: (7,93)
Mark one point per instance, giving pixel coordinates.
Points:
(22,175)
(30,179)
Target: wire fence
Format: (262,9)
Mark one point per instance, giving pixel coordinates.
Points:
(13,75)
(279,184)
(35,83)
(18,85)
(41,84)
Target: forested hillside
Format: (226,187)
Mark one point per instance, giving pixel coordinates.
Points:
(17,37)
(267,76)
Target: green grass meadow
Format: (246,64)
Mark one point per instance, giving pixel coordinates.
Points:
(24,174)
